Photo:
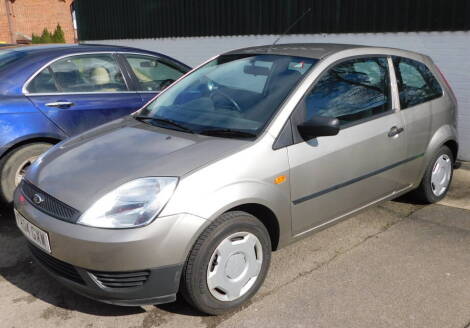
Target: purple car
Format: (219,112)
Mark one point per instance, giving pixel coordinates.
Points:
(48,93)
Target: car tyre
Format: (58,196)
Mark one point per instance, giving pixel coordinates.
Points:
(233,249)
(13,166)
(437,177)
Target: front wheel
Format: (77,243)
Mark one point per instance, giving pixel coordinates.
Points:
(14,165)
(228,263)
(437,177)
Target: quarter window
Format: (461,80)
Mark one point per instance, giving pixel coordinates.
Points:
(43,83)
(351,91)
(152,74)
(82,74)
(416,83)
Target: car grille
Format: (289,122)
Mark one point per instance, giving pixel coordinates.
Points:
(62,269)
(49,204)
(122,279)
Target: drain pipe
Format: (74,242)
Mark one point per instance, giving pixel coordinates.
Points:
(10,21)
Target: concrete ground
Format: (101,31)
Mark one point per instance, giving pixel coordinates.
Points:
(396,265)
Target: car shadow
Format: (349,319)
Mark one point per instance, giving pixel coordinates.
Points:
(408,199)
(411,199)
(18,268)
(181,307)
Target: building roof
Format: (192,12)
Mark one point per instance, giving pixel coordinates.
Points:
(308,50)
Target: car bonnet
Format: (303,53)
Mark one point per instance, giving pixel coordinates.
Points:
(82,169)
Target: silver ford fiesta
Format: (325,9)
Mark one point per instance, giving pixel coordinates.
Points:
(249,152)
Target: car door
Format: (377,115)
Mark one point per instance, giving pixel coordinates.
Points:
(152,74)
(335,175)
(79,92)
(418,90)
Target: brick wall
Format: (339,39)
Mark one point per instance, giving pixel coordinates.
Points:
(450,50)
(32,16)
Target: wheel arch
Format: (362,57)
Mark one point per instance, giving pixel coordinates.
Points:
(445,135)
(266,216)
(268,202)
(27,141)
(453,146)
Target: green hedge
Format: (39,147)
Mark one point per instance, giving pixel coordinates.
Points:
(48,37)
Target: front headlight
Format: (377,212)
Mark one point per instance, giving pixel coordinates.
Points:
(135,203)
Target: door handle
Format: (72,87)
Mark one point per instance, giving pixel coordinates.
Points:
(394,131)
(60,104)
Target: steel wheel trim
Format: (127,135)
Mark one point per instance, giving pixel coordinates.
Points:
(440,176)
(234,266)
(22,169)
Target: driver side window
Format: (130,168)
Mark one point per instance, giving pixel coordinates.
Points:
(352,91)
(152,74)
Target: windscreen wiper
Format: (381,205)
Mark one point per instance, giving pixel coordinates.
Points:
(164,121)
(228,133)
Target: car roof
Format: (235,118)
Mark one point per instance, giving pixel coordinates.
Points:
(51,48)
(310,50)
(43,51)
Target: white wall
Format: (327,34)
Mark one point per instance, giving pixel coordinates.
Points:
(450,51)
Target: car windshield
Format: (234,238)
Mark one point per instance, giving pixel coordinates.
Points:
(9,56)
(233,95)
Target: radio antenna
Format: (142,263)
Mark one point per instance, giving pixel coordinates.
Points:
(290,27)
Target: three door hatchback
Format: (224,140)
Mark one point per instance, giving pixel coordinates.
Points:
(246,154)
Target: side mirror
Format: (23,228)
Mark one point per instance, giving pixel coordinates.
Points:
(319,126)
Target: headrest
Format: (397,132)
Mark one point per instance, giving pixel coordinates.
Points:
(100,76)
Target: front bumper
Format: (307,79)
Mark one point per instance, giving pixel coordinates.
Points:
(152,286)
(106,264)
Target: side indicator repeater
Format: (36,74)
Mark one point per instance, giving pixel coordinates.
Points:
(280,179)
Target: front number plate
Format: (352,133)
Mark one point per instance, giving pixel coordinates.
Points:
(33,233)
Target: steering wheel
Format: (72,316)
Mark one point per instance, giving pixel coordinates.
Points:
(226,96)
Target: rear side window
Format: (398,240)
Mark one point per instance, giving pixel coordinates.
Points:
(83,73)
(416,83)
(354,90)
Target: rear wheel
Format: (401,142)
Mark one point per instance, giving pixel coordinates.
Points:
(228,263)
(437,177)
(14,166)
